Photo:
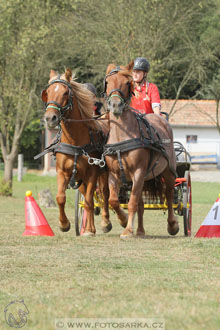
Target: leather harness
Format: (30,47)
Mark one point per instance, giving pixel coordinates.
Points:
(109,149)
(57,146)
(136,143)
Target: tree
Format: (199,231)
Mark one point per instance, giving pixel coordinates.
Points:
(28,34)
(212,91)
(167,33)
(209,36)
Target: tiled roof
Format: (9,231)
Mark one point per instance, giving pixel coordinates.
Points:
(191,112)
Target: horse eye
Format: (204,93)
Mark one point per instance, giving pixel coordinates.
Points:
(66,93)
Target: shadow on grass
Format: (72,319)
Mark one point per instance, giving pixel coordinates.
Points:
(163,237)
(142,237)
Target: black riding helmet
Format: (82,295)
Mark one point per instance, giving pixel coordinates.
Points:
(140,63)
(90,87)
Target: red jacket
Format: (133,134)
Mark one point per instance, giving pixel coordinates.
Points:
(146,98)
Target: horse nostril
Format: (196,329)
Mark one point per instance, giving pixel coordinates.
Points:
(116,105)
(54,118)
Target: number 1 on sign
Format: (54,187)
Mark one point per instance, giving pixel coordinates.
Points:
(216,212)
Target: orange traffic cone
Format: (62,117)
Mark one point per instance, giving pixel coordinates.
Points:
(211,225)
(36,223)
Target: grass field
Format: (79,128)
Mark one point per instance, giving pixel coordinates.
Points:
(174,278)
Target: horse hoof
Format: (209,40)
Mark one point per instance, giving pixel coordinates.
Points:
(65,229)
(174,229)
(88,234)
(123,223)
(107,228)
(126,234)
(124,237)
(140,234)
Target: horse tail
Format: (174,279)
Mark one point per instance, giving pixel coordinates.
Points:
(154,188)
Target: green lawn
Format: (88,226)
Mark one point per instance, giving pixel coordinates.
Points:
(174,278)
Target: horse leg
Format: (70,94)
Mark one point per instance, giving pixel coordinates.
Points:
(82,189)
(114,202)
(89,207)
(140,229)
(104,191)
(173,226)
(133,203)
(62,182)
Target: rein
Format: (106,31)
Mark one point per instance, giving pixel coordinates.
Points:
(85,120)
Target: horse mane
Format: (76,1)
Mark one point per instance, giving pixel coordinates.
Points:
(83,98)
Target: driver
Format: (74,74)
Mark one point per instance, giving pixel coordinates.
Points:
(146,98)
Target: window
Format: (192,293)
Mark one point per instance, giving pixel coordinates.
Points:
(191,138)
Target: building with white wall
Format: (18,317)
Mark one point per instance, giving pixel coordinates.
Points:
(194,124)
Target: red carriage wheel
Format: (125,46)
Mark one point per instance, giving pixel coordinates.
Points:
(80,214)
(187,204)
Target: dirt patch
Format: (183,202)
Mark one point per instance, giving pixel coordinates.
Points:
(205,173)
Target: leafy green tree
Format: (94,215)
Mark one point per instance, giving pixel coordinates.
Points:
(167,33)
(30,40)
(212,91)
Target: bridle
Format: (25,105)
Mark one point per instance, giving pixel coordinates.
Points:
(62,109)
(121,95)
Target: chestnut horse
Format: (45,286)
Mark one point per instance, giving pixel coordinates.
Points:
(70,106)
(139,149)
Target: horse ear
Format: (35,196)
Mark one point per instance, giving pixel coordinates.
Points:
(44,96)
(110,68)
(52,73)
(130,66)
(68,74)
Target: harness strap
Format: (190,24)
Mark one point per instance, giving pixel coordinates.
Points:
(49,148)
(128,145)
(158,144)
(72,182)
(67,149)
(123,177)
(140,120)
(136,143)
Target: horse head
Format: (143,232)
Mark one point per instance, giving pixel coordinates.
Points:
(118,87)
(57,97)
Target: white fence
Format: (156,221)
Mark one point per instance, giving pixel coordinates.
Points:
(204,152)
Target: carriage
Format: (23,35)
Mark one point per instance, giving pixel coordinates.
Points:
(182,201)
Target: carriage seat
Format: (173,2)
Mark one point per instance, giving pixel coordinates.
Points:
(183,159)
